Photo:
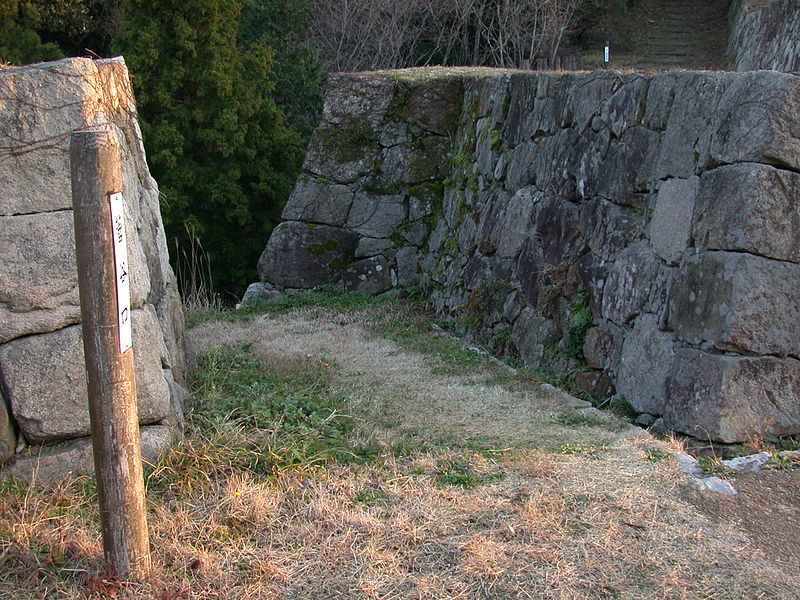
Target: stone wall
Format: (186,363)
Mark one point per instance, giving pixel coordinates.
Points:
(44,417)
(764,34)
(640,233)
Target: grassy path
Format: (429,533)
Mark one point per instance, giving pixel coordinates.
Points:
(362,453)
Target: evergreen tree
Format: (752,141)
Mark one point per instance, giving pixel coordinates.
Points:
(217,143)
(297,73)
(19,41)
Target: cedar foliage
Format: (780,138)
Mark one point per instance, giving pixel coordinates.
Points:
(20,43)
(218,145)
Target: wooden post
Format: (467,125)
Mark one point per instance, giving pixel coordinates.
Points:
(96,174)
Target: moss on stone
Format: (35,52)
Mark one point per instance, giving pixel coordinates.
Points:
(348,142)
(327,246)
(430,192)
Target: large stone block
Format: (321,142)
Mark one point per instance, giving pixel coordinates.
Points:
(534,336)
(318,202)
(375,215)
(45,378)
(40,105)
(558,231)
(758,120)
(38,277)
(300,255)
(630,283)
(47,464)
(733,398)
(686,145)
(506,222)
(628,166)
(369,276)
(343,153)
(737,302)
(609,228)
(602,346)
(407,267)
(670,228)
(645,365)
(751,208)
(349,95)
(624,108)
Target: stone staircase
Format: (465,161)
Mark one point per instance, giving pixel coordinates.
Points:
(684,34)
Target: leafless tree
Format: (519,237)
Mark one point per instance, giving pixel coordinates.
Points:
(372,34)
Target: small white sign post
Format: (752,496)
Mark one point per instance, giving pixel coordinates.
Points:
(122,270)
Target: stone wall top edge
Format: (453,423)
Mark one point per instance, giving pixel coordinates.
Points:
(42,66)
(432,74)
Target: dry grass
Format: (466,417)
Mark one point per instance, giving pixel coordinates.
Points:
(498,501)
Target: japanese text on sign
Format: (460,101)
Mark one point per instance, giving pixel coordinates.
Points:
(122,272)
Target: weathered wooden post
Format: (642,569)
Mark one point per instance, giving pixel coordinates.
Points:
(105,316)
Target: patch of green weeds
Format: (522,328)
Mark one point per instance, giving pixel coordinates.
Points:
(457,472)
(622,408)
(496,142)
(581,320)
(411,328)
(327,246)
(577,419)
(782,463)
(332,297)
(248,416)
(593,450)
(374,497)
(654,455)
(714,466)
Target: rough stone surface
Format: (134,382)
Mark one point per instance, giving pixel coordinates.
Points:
(753,462)
(630,283)
(315,202)
(38,277)
(738,302)
(40,106)
(376,216)
(645,365)
(369,276)
(55,406)
(728,398)
(372,247)
(758,120)
(47,464)
(716,484)
(764,35)
(671,224)
(750,208)
(602,346)
(407,267)
(531,336)
(628,215)
(303,256)
(645,420)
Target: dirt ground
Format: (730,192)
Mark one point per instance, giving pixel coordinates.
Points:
(766,510)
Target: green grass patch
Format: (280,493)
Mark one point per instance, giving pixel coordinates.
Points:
(456,472)
(577,419)
(593,450)
(333,297)
(653,455)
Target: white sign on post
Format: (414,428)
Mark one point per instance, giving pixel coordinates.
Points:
(123,272)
